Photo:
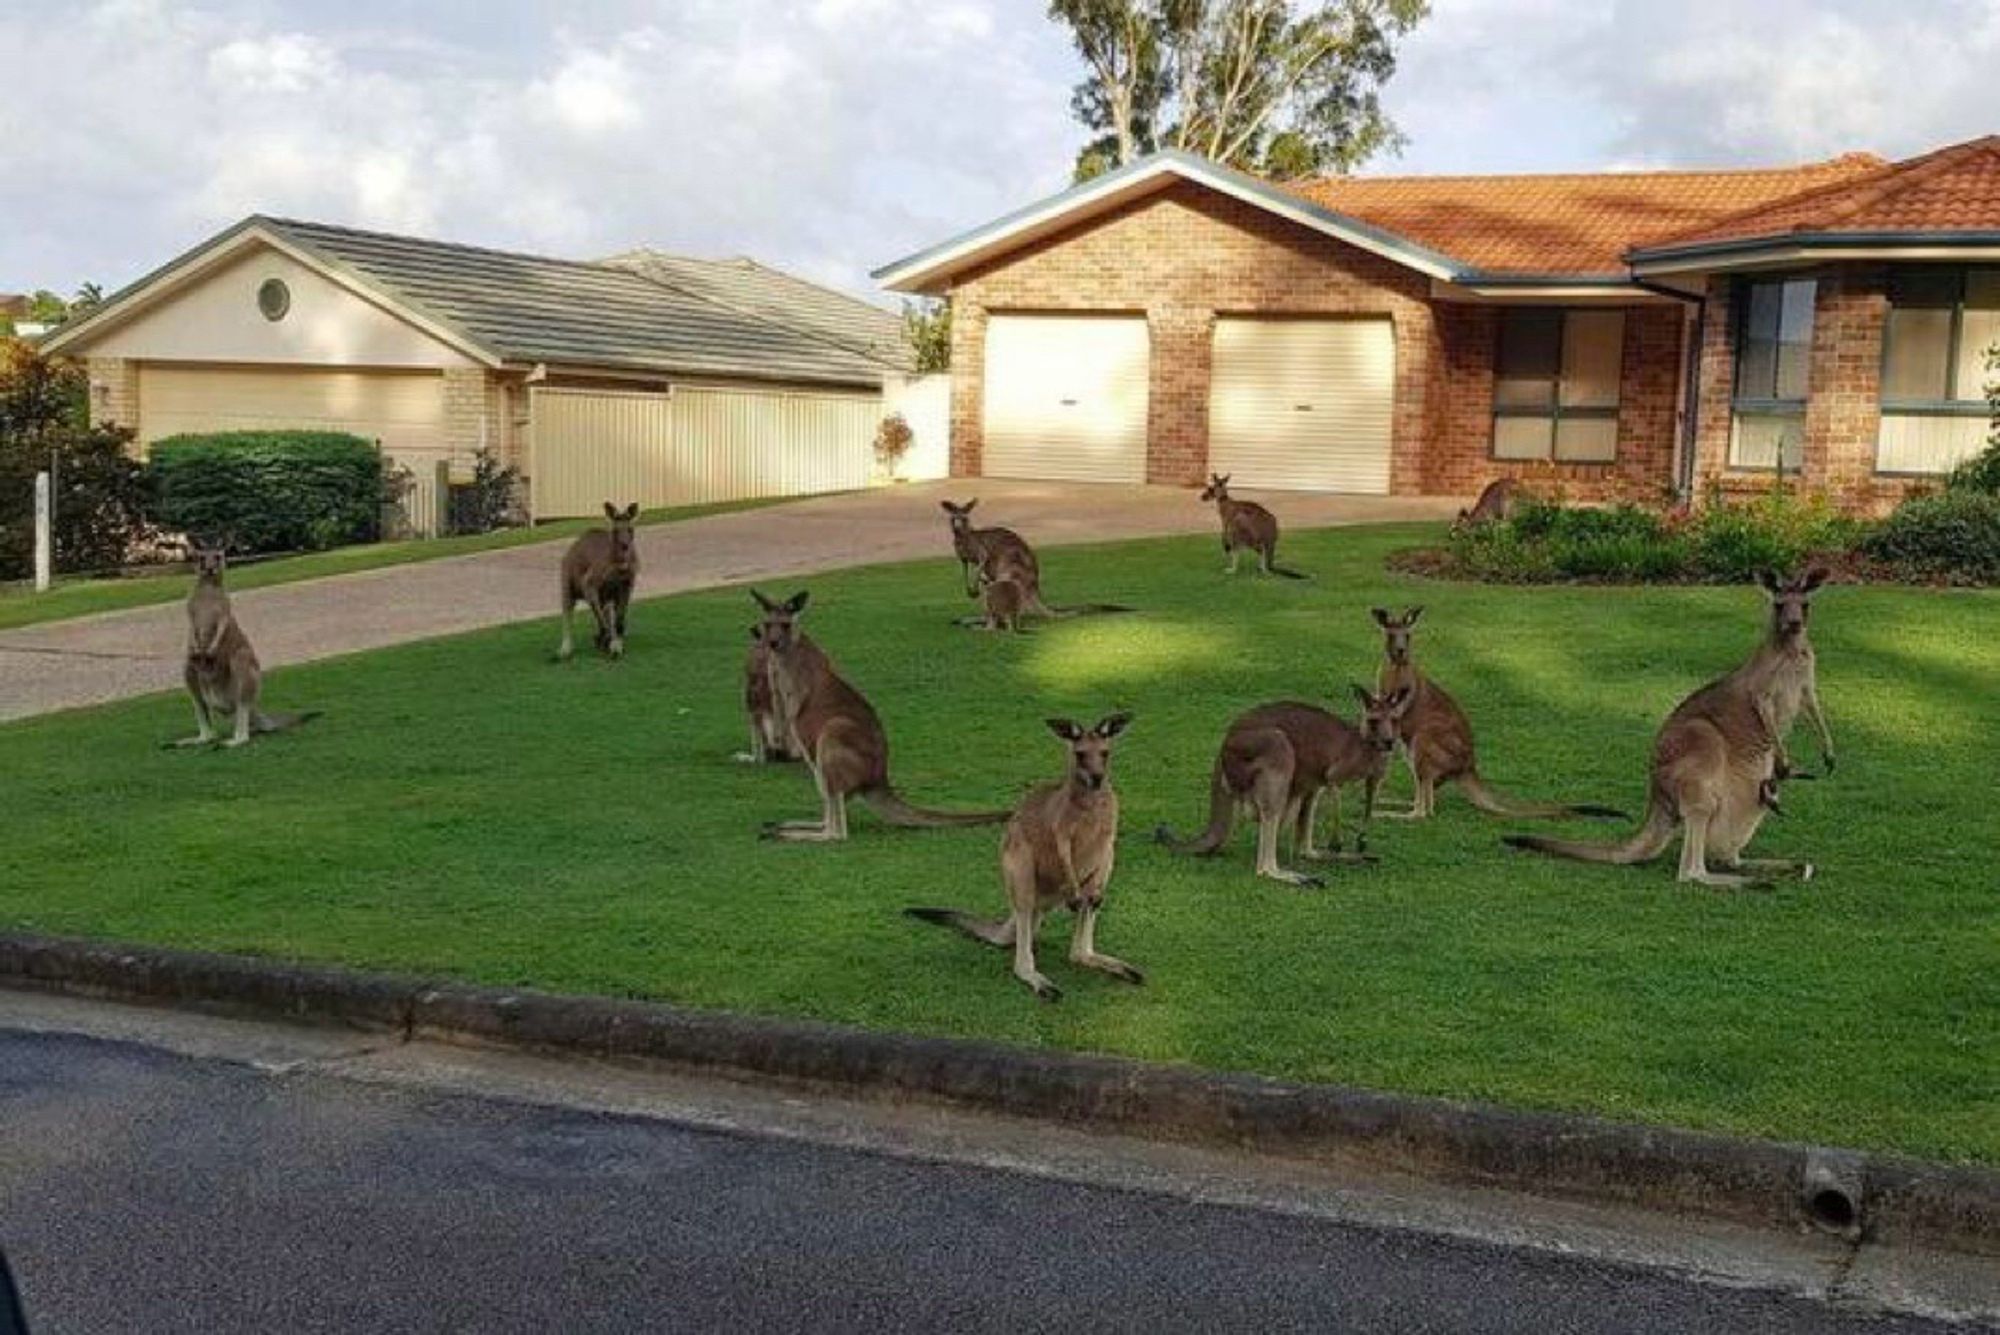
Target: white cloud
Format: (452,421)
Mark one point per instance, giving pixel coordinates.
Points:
(288,62)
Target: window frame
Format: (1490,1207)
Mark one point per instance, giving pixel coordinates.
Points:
(1951,405)
(1556,411)
(1743,405)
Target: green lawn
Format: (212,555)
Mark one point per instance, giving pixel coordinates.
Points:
(467,807)
(20,605)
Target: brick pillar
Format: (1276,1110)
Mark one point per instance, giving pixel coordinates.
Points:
(1419,347)
(1718,381)
(1844,407)
(114,391)
(968,388)
(1183,342)
(470,416)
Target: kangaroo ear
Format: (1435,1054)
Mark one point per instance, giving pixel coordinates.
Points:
(1400,701)
(631,512)
(797,602)
(1361,693)
(1113,724)
(1815,576)
(1410,617)
(948,507)
(1768,580)
(967,508)
(610,510)
(755,631)
(1064,728)
(1381,615)
(763,602)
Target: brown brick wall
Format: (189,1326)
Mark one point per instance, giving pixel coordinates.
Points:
(1843,405)
(114,391)
(1459,459)
(1182,257)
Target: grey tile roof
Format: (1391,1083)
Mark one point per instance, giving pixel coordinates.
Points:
(771,294)
(530,308)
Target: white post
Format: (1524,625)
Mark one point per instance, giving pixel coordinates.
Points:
(44,538)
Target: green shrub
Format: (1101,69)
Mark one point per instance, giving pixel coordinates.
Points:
(1544,541)
(490,500)
(1979,473)
(1953,535)
(269,491)
(100,490)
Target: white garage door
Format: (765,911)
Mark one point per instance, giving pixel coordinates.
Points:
(1066,397)
(403,410)
(1303,404)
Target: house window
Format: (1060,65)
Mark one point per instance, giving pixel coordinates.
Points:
(1943,324)
(1773,359)
(1555,387)
(274,299)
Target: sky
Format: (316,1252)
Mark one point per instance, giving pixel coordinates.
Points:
(832,136)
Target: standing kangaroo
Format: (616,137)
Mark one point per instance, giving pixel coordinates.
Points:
(770,740)
(834,730)
(1278,760)
(1000,550)
(1004,601)
(1720,756)
(1437,738)
(995,556)
(600,568)
(223,676)
(1496,502)
(1058,850)
(1246,524)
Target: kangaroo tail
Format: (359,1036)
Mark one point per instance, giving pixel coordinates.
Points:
(280,722)
(887,803)
(1082,610)
(1221,821)
(1496,803)
(1288,572)
(1647,843)
(992,931)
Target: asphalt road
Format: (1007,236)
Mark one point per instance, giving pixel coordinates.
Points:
(143,1191)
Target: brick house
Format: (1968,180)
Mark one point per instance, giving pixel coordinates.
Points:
(1627,333)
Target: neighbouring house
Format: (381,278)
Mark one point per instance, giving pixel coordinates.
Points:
(646,377)
(15,311)
(1629,333)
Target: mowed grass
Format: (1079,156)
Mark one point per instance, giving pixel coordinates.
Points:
(20,605)
(468,808)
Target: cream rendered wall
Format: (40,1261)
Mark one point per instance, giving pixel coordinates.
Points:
(215,318)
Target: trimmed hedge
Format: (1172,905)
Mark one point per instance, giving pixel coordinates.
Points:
(269,491)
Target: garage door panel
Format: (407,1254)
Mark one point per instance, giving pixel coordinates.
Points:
(1303,404)
(404,411)
(1066,397)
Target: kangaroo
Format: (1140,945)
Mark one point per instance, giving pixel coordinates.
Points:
(769,741)
(1719,758)
(1058,850)
(1437,738)
(831,727)
(1785,671)
(223,676)
(1246,524)
(993,556)
(1004,600)
(600,568)
(1496,502)
(1279,760)
(1000,549)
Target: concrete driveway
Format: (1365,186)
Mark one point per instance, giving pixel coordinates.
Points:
(66,664)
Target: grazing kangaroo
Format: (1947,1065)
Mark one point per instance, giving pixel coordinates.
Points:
(1058,850)
(1496,502)
(769,741)
(1001,550)
(1720,756)
(835,731)
(223,676)
(1246,524)
(1279,760)
(1437,738)
(600,568)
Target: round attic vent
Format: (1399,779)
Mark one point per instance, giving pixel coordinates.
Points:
(274,298)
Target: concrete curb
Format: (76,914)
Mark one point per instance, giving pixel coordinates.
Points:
(1761,1182)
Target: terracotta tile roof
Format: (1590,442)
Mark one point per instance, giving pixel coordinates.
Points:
(1581,224)
(1954,189)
